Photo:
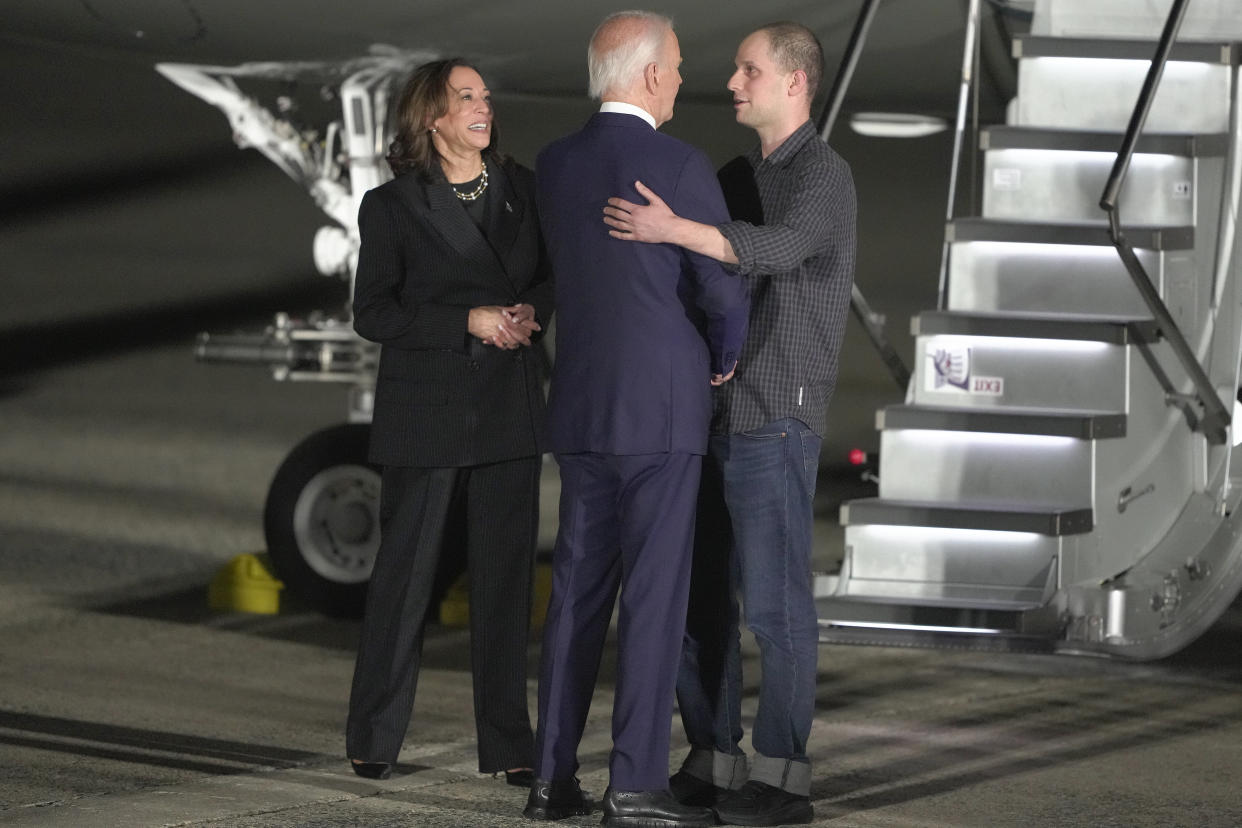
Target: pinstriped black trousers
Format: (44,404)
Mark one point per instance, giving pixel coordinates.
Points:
(494,511)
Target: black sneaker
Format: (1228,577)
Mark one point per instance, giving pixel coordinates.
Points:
(758,803)
(690,790)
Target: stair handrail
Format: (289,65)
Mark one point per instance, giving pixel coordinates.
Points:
(845,73)
(971,46)
(1216,417)
(873,323)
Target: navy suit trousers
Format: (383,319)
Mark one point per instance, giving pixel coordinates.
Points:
(627,523)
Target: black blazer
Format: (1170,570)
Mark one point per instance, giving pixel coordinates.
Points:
(442,397)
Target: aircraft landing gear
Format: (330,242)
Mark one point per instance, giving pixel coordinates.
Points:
(321,519)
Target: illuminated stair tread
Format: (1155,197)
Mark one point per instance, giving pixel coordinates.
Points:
(1039,138)
(1038,232)
(1054,521)
(1222,52)
(1032,421)
(843,610)
(1109,330)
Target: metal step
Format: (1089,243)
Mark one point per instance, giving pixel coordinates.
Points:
(1222,52)
(844,620)
(1071,269)
(1092,84)
(931,554)
(1076,233)
(1112,330)
(1099,425)
(1049,175)
(1007,361)
(1040,138)
(1204,19)
(1074,280)
(1049,521)
(991,457)
(937,628)
(985,468)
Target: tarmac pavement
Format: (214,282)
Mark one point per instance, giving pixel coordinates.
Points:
(128,480)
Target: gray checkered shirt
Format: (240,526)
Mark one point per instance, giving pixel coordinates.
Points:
(799,265)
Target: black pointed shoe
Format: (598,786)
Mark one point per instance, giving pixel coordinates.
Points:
(652,809)
(372,770)
(758,803)
(556,799)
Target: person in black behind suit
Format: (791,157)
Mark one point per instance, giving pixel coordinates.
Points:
(453,283)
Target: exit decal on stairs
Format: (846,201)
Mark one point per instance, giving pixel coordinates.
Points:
(948,370)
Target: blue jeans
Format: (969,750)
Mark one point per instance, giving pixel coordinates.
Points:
(753,537)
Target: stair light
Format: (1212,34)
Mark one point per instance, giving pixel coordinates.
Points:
(1116,72)
(1099,93)
(1008,249)
(932,437)
(1102,161)
(1016,343)
(896,125)
(877,625)
(934,534)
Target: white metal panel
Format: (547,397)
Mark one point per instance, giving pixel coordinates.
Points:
(986,371)
(1065,186)
(1204,20)
(1099,94)
(955,567)
(1048,278)
(985,468)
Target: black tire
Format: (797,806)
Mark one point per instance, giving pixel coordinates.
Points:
(321,520)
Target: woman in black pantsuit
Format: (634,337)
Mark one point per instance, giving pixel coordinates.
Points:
(453,283)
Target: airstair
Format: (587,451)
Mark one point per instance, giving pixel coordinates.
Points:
(1062,475)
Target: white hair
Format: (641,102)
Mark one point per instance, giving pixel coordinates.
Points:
(624,63)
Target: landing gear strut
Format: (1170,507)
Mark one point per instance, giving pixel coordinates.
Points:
(321,519)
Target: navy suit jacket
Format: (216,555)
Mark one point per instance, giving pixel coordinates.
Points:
(640,327)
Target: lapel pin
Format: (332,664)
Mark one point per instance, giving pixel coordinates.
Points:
(508,207)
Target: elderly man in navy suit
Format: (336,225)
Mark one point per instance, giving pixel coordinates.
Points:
(643,333)
(794,240)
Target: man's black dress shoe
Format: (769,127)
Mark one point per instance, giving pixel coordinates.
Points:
(652,809)
(372,770)
(522,778)
(758,803)
(690,790)
(556,799)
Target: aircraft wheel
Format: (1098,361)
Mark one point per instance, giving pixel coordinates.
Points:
(321,520)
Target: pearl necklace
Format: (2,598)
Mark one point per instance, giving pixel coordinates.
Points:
(477,191)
